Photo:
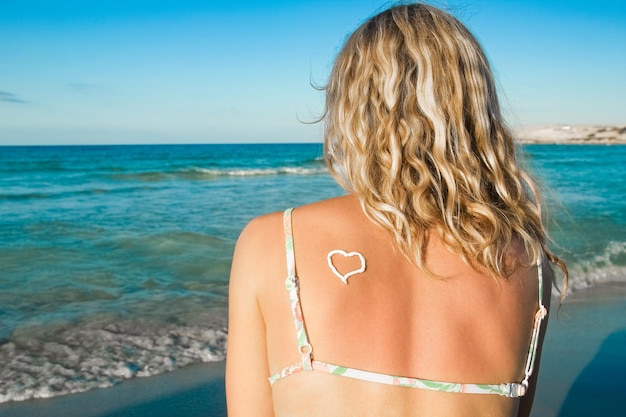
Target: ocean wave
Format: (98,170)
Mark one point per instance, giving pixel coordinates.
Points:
(254,172)
(198,173)
(65,193)
(43,362)
(607,266)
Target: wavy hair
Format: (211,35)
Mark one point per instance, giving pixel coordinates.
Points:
(414,129)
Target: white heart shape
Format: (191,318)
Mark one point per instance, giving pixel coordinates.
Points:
(344,277)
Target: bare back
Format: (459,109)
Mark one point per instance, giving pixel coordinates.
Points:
(392,318)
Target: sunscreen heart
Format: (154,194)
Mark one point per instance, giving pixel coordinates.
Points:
(344,277)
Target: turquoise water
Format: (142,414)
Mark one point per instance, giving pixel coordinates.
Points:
(585,192)
(115,259)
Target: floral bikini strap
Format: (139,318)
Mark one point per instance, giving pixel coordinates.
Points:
(542,312)
(292,286)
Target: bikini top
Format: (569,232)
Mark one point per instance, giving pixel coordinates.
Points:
(511,389)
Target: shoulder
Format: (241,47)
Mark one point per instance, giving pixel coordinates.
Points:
(261,229)
(266,233)
(331,214)
(258,259)
(259,244)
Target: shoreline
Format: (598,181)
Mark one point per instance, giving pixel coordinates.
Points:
(542,134)
(583,363)
(562,134)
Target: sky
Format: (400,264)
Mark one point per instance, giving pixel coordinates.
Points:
(191,71)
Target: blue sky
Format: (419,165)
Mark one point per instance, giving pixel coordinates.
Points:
(207,71)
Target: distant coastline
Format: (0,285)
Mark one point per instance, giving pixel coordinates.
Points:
(572,134)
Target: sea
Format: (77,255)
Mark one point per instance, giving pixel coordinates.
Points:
(114,260)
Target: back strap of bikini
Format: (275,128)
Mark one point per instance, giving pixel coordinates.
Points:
(292,285)
(306,351)
(542,312)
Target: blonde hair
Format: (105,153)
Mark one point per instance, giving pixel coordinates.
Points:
(414,129)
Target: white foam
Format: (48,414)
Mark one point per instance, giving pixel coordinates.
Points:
(36,364)
(254,172)
(601,268)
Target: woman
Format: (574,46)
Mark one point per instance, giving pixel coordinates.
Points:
(422,291)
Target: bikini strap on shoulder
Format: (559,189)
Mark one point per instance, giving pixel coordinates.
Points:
(292,285)
(291,261)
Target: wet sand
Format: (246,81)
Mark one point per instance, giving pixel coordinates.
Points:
(583,367)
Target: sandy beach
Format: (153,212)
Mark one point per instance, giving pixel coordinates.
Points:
(583,365)
(572,134)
